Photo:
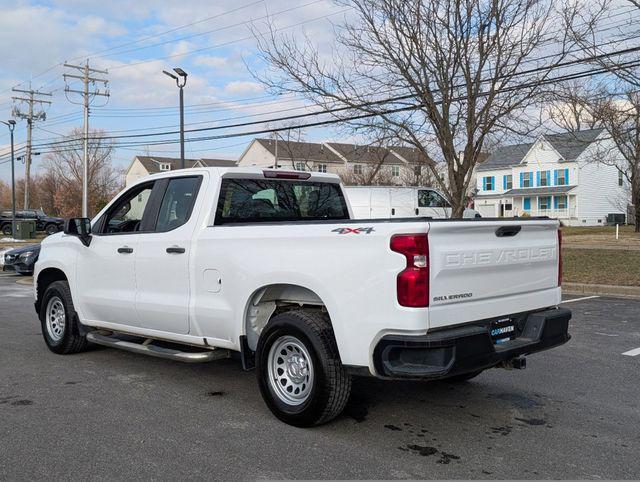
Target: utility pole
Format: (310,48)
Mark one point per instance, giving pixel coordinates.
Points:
(30,117)
(87,97)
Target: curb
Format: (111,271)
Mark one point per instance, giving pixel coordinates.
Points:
(632,292)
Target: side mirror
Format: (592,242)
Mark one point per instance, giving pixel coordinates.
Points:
(80,227)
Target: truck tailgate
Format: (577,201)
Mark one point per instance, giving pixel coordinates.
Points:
(484,269)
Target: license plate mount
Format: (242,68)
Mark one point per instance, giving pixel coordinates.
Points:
(502,330)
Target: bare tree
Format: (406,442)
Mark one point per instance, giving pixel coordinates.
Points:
(620,116)
(590,29)
(617,105)
(569,107)
(64,165)
(439,75)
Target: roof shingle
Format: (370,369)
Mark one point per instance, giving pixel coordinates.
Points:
(568,144)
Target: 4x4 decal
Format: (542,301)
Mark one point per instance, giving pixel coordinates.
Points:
(366,230)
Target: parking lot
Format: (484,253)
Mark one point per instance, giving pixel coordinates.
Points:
(573,413)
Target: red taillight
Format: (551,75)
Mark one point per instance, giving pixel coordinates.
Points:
(559,258)
(413,281)
(277,174)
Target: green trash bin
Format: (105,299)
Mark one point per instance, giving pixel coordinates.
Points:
(25,229)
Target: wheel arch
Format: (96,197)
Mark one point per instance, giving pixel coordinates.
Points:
(269,300)
(44,279)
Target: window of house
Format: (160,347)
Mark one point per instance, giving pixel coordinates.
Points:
(544,202)
(526,179)
(620,178)
(544,178)
(507,182)
(561,177)
(561,202)
(395,171)
(321,168)
(357,169)
(487,183)
(508,207)
(300,166)
(165,167)
(417,170)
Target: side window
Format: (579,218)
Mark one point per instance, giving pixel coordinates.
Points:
(431,199)
(177,203)
(126,214)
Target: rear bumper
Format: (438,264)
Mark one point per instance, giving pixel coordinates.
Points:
(455,351)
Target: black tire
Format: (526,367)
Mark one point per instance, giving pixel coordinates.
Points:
(51,229)
(69,340)
(6,229)
(464,377)
(331,384)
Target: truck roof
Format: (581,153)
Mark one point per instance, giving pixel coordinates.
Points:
(248,172)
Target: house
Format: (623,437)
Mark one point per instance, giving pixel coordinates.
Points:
(144,165)
(558,175)
(397,163)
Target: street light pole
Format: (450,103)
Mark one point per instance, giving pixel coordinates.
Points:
(181,81)
(12,125)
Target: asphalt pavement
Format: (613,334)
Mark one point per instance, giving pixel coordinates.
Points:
(107,414)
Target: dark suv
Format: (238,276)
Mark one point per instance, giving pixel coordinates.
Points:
(45,223)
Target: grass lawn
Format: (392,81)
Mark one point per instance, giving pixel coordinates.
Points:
(602,266)
(601,236)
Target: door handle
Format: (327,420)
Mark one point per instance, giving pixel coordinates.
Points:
(125,250)
(175,249)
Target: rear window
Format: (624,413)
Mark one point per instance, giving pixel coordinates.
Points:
(257,200)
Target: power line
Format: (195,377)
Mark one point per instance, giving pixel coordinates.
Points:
(366,104)
(561,78)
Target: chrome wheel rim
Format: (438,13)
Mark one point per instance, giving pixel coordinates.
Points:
(56,318)
(290,370)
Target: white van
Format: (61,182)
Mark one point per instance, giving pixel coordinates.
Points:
(379,202)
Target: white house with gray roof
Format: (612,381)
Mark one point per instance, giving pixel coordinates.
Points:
(144,165)
(557,175)
(338,158)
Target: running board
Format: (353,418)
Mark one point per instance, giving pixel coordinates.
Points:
(146,348)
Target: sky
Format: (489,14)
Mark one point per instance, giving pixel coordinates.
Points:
(134,41)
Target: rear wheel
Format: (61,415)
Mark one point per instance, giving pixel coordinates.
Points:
(299,371)
(51,229)
(59,321)
(6,229)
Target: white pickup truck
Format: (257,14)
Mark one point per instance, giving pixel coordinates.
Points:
(199,264)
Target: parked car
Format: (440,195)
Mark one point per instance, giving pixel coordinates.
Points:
(271,264)
(48,224)
(379,202)
(21,260)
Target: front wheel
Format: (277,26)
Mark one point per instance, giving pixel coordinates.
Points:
(299,371)
(6,230)
(58,320)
